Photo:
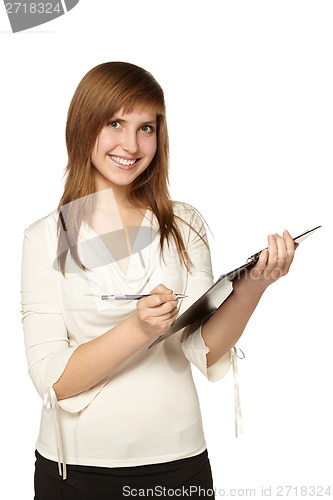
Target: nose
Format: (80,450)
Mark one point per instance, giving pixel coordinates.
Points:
(130,141)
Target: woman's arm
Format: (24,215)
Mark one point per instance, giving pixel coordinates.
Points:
(52,359)
(223,329)
(92,361)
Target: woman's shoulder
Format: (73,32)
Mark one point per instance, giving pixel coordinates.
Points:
(47,224)
(188,213)
(182,208)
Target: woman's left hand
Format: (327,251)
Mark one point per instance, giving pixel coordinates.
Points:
(275,261)
(223,329)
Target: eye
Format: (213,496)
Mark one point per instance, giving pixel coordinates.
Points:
(113,124)
(148,129)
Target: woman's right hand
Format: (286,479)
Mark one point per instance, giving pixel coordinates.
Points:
(157,311)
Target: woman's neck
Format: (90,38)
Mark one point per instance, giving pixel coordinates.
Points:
(114,207)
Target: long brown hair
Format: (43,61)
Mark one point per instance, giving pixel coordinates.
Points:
(105,90)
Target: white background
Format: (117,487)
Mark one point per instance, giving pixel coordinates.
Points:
(248,86)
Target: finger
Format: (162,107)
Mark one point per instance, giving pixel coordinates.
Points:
(161,289)
(280,261)
(282,255)
(168,317)
(272,252)
(261,264)
(290,247)
(290,243)
(157,296)
(158,303)
(167,313)
(158,299)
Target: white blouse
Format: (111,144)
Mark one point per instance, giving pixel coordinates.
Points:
(147,410)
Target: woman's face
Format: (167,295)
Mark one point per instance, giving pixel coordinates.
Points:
(124,149)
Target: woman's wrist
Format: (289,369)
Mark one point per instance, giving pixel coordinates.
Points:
(135,330)
(249,285)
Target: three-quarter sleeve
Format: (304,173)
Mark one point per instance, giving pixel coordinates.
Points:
(196,351)
(47,345)
(45,334)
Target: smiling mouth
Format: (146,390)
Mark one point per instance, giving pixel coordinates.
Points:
(123,163)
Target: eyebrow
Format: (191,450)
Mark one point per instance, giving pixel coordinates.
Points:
(121,120)
(152,122)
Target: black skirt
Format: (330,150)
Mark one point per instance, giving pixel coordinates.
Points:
(186,478)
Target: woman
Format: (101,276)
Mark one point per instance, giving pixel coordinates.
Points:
(118,417)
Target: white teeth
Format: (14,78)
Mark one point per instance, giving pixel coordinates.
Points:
(122,161)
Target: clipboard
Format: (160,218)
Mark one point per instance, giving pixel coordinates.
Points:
(217,293)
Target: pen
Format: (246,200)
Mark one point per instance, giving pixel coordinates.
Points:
(134,297)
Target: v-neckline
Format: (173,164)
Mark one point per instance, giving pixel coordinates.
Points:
(107,249)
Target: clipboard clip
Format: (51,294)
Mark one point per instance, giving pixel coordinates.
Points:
(253,259)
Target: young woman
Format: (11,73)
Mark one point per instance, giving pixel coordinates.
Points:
(118,417)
